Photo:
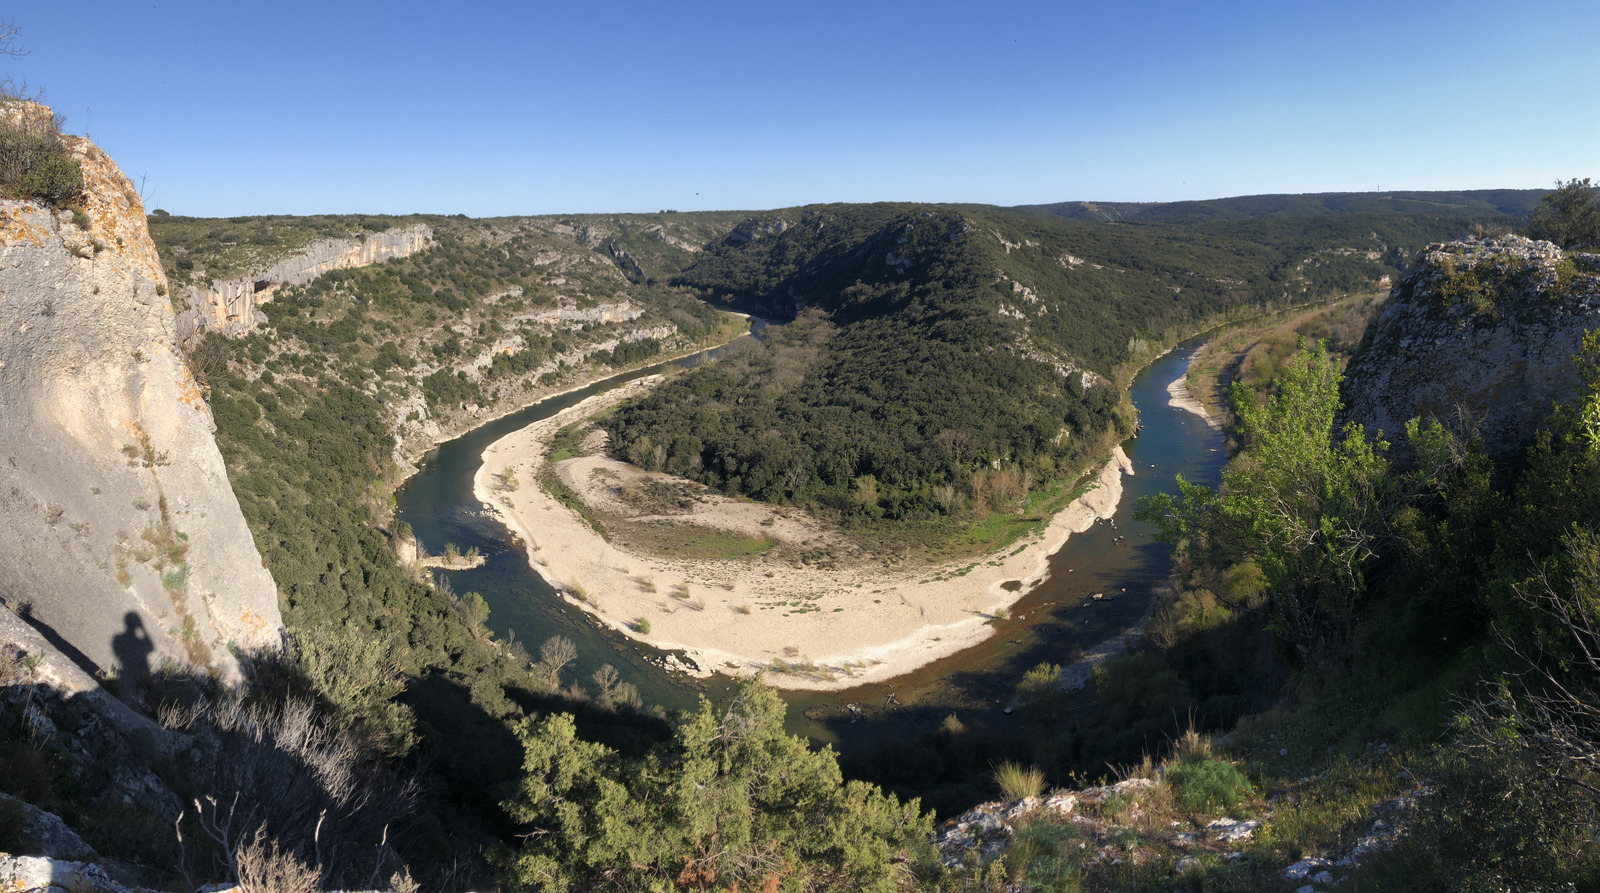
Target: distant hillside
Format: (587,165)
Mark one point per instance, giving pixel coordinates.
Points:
(957,343)
(1486,204)
(489,315)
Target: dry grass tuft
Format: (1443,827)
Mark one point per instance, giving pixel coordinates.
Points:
(1018,782)
(264,868)
(1192,746)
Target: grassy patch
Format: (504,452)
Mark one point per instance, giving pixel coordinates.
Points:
(942,541)
(566,443)
(698,543)
(551,483)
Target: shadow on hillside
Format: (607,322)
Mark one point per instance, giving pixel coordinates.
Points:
(911,751)
(58,642)
(72,756)
(132,648)
(476,759)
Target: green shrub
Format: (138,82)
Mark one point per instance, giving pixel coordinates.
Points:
(27,773)
(1211,784)
(1047,855)
(1569,216)
(641,625)
(1040,692)
(34,163)
(52,179)
(1497,820)
(743,805)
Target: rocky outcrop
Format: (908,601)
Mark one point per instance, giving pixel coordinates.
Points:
(123,544)
(1480,331)
(230,306)
(46,834)
(40,873)
(754,229)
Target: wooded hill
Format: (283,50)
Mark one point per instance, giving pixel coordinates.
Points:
(949,358)
(1484,203)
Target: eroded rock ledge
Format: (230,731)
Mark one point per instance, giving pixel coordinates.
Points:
(1480,332)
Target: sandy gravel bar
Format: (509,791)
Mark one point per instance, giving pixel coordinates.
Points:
(1180,397)
(826,626)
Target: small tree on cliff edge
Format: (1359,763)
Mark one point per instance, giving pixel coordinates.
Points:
(1569,216)
(34,164)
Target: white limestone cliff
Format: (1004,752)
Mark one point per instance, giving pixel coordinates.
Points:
(121,541)
(230,305)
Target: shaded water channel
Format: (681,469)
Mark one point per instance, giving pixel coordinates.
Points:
(1048,623)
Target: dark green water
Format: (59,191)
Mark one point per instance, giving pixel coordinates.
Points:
(1050,621)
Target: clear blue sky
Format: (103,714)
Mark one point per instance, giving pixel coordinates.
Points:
(528,107)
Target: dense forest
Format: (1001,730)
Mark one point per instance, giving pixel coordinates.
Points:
(946,360)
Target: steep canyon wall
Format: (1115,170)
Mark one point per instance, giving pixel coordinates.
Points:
(122,541)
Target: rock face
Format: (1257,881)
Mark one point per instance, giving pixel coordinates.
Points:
(1481,330)
(123,544)
(229,306)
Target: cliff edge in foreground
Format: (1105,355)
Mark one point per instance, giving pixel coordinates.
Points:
(121,539)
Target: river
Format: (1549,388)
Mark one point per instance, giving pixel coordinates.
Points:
(1048,623)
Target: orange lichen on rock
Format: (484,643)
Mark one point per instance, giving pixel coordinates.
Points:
(189,391)
(251,622)
(15,229)
(116,214)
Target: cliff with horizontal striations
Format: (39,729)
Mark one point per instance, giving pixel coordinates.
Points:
(123,544)
(1480,331)
(229,306)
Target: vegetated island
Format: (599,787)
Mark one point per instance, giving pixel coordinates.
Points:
(741,587)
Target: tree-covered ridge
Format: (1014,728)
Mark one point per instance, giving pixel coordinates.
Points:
(1482,203)
(941,361)
(200,249)
(826,417)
